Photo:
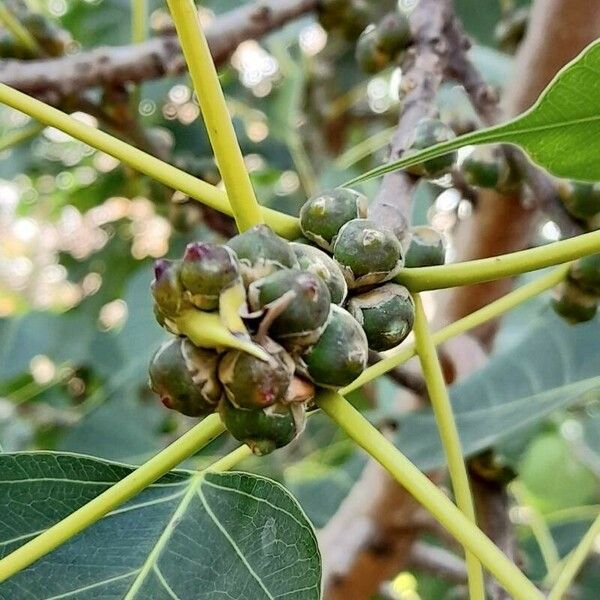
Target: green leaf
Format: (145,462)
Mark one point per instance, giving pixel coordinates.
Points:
(188,536)
(559,132)
(552,367)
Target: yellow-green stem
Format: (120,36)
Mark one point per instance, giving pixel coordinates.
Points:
(573,513)
(18,31)
(491,311)
(139,20)
(498,267)
(177,179)
(539,528)
(18,136)
(118,494)
(427,494)
(139,32)
(444,418)
(246,209)
(575,561)
(230,460)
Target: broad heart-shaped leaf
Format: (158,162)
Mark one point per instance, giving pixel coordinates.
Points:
(552,367)
(190,536)
(560,132)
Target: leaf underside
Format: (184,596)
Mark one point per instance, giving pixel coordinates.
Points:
(188,536)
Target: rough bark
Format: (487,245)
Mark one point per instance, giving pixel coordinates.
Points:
(55,78)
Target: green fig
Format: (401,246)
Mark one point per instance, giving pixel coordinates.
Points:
(367,253)
(426,247)
(263,430)
(580,199)
(586,274)
(319,263)
(370,57)
(393,33)
(429,132)
(323,215)
(386,313)
(253,383)
(574,304)
(261,252)
(185,377)
(487,167)
(340,354)
(299,303)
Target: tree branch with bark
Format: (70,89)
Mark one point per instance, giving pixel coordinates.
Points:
(55,78)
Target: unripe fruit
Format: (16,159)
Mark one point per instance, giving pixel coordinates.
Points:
(573,304)
(166,287)
(262,430)
(185,377)
(386,313)
(206,270)
(367,253)
(393,33)
(486,167)
(322,216)
(429,132)
(586,274)
(304,304)
(253,383)
(370,57)
(581,199)
(261,252)
(318,263)
(340,355)
(426,248)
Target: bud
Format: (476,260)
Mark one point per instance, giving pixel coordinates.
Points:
(206,270)
(166,287)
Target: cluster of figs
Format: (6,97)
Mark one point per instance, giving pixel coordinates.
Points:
(300,316)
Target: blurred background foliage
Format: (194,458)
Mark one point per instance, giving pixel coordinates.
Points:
(79,233)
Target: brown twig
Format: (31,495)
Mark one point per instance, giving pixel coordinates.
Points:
(439,562)
(427,63)
(53,79)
